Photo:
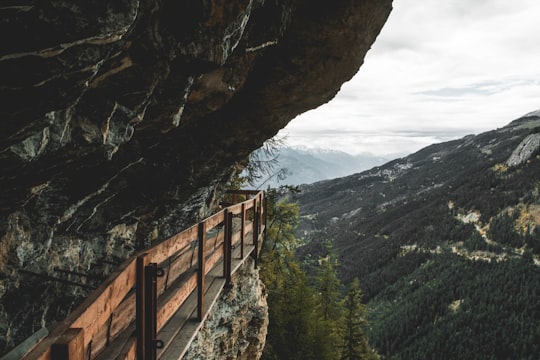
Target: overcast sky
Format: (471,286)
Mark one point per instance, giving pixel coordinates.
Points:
(439,70)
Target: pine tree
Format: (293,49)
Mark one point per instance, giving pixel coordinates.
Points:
(355,345)
(296,329)
(329,286)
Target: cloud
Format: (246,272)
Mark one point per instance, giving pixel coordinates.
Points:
(440,69)
(485,88)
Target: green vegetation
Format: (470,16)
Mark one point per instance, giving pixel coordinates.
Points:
(308,317)
(355,345)
(455,308)
(446,245)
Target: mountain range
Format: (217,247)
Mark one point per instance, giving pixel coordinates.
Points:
(302,165)
(445,243)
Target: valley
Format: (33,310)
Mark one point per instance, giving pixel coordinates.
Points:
(445,243)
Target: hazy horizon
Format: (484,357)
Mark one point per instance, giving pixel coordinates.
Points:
(439,70)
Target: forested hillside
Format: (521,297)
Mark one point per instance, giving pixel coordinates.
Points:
(445,242)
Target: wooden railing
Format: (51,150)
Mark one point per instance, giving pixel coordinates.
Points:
(124,315)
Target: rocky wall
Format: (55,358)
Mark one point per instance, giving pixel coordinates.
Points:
(236,326)
(122,122)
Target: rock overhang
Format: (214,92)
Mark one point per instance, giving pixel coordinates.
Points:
(132,114)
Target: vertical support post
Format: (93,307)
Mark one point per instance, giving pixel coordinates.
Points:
(201,271)
(242,230)
(227,250)
(146,308)
(69,346)
(265,214)
(256,230)
(140,307)
(150,274)
(226,232)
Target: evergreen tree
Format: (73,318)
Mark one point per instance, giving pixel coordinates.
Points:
(355,345)
(297,329)
(329,291)
(260,166)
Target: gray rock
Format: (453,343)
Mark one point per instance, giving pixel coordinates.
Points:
(122,123)
(524,150)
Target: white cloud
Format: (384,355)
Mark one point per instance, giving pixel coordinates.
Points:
(445,68)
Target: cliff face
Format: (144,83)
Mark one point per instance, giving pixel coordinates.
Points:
(236,327)
(122,121)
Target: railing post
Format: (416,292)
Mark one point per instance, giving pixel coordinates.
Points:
(256,224)
(225,236)
(258,230)
(227,248)
(201,271)
(151,273)
(242,230)
(265,214)
(69,346)
(146,309)
(140,306)
(263,206)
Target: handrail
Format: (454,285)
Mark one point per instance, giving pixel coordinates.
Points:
(124,297)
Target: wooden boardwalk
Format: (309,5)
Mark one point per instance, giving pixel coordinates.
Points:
(156,301)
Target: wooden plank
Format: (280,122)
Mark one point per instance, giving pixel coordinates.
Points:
(162,251)
(124,315)
(248,228)
(214,259)
(174,326)
(69,346)
(235,209)
(120,320)
(235,238)
(178,266)
(129,352)
(183,329)
(98,311)
(185,313)
(214,220)
(93,312)
(120,346)
(214,242)
(172,300)
(248,192)
(101,309)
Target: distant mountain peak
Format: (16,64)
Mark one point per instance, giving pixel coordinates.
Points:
(532,113)
(531,120)
(307,165)
(316,150)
